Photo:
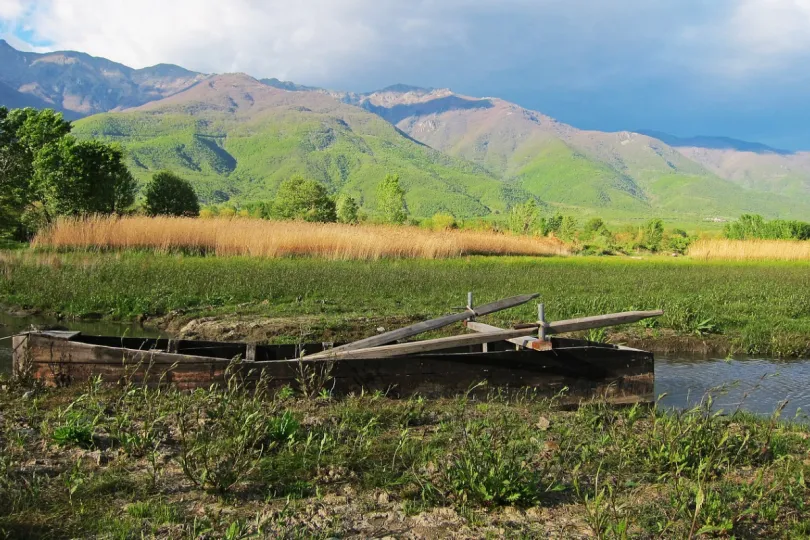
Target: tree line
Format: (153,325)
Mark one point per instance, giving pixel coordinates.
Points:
(754,226)
(303,199)
(45,172)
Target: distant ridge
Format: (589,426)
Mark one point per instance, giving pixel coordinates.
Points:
(238,137)
(288,85)
(79,84)
(714,143)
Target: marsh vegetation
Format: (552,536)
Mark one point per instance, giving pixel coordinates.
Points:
(235,461)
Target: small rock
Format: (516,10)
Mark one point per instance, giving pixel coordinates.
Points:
(28,433)
(28,395)
(542,423)
(380,329)
(383,498)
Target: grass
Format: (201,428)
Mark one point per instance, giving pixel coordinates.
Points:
(753,307)
(751,250)
(233,462)
(284,238)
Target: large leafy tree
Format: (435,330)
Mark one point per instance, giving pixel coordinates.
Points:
(307,200)
(73,177)
(23,134)
(391,200)
(168,194)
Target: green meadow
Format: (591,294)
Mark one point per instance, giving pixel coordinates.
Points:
(755,308)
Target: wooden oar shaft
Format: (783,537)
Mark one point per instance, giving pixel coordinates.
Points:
(433,324)
(416,347)
(597,321)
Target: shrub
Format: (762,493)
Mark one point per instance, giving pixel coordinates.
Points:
(169,195)
(306,200)
(652,235)
(523,218)
(347,209)
(443,222)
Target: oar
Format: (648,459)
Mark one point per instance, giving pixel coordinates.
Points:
(427,326)
(597,321)
(416,347)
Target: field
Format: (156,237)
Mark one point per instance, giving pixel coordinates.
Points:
(750,307)
(260,238)
(132,462)
(751,250)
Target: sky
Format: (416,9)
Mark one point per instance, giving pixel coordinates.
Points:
(737,68)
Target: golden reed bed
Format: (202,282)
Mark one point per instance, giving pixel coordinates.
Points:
(751,250)
(285,238)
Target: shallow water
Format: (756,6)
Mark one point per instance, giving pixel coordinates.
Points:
(753,384)
(10,325)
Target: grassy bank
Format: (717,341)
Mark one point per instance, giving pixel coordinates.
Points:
(760,308)
(127,462)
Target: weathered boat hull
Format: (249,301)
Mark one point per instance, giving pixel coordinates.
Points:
(587,370)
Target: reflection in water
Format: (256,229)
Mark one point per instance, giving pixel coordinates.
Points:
(755,385)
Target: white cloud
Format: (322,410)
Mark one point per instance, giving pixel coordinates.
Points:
(333,41)
(310,39)
(11,9)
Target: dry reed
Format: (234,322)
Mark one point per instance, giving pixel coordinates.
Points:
(751,250)
(284,238)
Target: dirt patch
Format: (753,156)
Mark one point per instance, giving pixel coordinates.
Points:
(278,329)
(669,341)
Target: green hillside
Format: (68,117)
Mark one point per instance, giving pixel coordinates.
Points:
(618,175)
(236,138)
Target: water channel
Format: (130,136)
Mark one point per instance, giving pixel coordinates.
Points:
(754,384)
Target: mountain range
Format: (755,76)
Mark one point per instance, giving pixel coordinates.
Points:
(236,138)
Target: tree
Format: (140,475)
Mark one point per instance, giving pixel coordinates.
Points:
(347,209)
(653,235)
(523,218)
(169,195)
(302,199)
(568,228)
(23,134)
(74,177)
(391,200)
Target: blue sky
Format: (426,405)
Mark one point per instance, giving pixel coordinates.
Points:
(739,68)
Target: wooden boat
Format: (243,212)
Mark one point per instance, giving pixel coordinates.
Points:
(587,369)
(511,359)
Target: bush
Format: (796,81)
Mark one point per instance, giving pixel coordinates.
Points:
(169,195)
(347,210)
(306,200)
(752,226)
(442,222)
(652,235)
(523,218)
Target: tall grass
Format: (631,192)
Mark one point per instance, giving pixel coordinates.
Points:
(751,250)
(280,239)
